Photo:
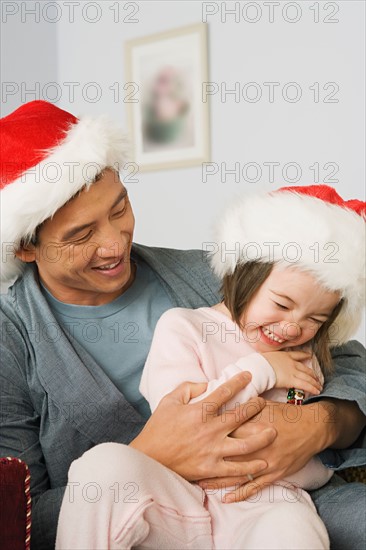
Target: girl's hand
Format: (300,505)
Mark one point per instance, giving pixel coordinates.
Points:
(291,372)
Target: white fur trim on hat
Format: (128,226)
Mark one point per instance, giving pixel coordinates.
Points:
(302,231)
(91,145)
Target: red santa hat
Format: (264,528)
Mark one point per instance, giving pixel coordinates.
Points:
(311,228)
(47,156)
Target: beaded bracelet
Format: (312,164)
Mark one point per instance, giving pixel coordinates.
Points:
(295,396)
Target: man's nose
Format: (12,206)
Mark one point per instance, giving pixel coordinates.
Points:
(111,243)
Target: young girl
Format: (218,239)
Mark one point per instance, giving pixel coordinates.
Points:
(292,270)
(292,267)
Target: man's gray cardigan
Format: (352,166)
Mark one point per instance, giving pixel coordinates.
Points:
(56,402)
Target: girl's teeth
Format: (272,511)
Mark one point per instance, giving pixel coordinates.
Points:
(270,335)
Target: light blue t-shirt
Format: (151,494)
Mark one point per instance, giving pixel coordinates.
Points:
(118,335)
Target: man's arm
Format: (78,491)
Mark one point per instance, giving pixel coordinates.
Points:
(333,420)
(344,399)
(20,429)
(191,439)
(348,422)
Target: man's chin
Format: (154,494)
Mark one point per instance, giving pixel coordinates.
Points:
(114,286)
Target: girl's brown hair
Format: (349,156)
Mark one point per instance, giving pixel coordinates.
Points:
(239,288)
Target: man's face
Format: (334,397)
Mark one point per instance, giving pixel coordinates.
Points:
(83,252)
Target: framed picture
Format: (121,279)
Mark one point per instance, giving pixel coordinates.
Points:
(168,118)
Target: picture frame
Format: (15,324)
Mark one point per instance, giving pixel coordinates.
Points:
(167,116)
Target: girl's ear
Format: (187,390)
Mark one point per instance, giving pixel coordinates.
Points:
(26,253)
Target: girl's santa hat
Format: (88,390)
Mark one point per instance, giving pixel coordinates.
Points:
(311,228)
(47,156)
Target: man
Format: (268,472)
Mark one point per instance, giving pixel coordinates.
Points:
(76,329)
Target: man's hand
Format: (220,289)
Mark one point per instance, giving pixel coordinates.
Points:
(193,439)
(302,432)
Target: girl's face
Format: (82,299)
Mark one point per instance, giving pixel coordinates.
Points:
(287,310)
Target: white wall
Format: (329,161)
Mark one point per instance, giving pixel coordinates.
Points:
(304,132)
(29,59)
(176,207)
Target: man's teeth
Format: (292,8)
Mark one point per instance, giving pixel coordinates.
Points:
(110,266)
(270,335)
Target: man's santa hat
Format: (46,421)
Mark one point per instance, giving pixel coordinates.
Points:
(311,228)
(47,156)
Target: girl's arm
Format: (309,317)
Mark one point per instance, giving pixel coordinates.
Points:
(174,358)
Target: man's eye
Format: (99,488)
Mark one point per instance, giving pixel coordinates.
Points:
(83,238)
(120,212)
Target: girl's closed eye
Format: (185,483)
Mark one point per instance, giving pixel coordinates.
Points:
(281,306)
(317,321)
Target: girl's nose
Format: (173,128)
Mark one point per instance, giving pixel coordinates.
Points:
(291,330)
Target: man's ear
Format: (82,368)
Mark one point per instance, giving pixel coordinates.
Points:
(26,253)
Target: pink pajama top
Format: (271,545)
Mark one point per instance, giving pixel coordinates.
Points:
(204,345)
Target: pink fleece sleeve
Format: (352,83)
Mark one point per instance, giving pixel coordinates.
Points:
(263,378)
(174,358)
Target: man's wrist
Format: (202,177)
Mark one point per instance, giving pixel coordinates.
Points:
(340,422)
(328,417)
(324,422)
